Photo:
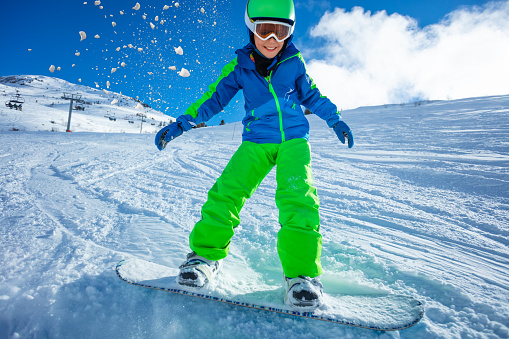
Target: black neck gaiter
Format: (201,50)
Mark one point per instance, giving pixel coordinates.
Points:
(262,64)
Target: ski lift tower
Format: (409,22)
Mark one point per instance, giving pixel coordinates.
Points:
(71,97)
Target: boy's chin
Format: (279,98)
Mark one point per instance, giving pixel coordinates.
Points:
(269,53)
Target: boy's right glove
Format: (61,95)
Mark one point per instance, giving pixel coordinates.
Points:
(167,134)
(183,124)
(343,131)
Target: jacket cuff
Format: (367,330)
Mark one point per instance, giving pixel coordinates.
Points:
(186,122)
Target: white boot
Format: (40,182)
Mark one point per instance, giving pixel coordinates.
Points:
(196,271)
(304,292)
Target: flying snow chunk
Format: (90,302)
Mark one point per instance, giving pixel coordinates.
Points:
(179,50)
(152,26)
(184,73)
(97,36)
(140,49)
(139,107)
(115,101)
(165,7)
(83,35)
(202,10)
(113,70)
(177,4)
(79,80)
(121,13)
(77,53)
(52,68)
(123,64)
(30,50)
(59,69)
(173,68)
(97,3)
(137,6)
(107,85)
(113,23)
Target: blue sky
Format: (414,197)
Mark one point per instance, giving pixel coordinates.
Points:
(208,38)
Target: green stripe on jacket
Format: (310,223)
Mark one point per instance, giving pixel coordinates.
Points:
(193,109)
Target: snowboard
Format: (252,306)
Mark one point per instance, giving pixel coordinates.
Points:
(387,312)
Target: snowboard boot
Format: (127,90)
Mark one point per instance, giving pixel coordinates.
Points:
(197,271)
(303,292)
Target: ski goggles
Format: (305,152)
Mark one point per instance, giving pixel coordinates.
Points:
(272,29)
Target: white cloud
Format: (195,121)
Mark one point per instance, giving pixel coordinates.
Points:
(370,59)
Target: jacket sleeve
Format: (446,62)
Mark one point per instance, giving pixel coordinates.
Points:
(312,99)
(217,97)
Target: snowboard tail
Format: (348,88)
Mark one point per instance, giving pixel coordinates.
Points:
(375,312)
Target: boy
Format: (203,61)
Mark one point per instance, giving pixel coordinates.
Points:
(272,74)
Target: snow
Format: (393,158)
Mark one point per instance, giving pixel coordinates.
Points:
(179,50)
(45,110)
(184,73)
(419,207)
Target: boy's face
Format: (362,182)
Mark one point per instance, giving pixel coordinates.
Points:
(269,48)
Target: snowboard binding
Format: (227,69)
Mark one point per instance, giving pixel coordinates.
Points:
(197,271)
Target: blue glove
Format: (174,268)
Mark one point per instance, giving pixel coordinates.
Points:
(167,134)
(183,124)
(343,131)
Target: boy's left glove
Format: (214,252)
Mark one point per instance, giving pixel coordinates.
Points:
(343,131)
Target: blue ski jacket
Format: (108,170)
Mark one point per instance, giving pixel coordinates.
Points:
(272,104)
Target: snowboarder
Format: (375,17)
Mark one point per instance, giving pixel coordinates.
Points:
(272,73)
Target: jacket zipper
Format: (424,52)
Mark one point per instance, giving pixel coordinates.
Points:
(249,123)
(271,89)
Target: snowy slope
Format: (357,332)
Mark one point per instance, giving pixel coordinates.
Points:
(420,206)
(45,110)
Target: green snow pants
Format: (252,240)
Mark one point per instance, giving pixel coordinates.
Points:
(299,242)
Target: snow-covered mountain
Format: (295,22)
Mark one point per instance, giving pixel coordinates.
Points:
(420,207)
(44,108)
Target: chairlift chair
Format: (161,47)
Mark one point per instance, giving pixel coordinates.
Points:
(17,99)
(15,102)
